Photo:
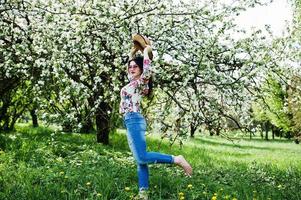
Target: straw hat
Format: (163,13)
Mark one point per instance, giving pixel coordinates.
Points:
(140,43)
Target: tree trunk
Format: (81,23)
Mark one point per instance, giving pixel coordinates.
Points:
(102,124)
(192,130)
(267,131)
(261,131)
(3,111)
(66,127)
(273,133)
(3,115)
(34,118)
(5,126)
(218,131)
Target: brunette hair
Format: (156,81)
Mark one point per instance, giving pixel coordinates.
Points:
(139,61)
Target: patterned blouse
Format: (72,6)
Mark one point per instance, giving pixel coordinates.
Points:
(132,93)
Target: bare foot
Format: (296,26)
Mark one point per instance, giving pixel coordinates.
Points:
(180,160)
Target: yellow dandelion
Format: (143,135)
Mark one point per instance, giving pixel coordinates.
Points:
(182,198)
(88,184)
(189,186)
(99,194)
(127,188)
(59,159)
(214,198)
(181,194)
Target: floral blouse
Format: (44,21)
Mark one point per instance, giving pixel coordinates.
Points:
(132,93)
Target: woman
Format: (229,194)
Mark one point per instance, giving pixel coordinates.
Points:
(139,73)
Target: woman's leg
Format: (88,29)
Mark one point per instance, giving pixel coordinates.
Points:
(136,128)
(143,176)
(136,137)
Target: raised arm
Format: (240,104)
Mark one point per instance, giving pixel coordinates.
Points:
(145,76)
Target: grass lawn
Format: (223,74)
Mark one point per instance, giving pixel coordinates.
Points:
(43,164)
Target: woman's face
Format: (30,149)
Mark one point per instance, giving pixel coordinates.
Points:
(134,70)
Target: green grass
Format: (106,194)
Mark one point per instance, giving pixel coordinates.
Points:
(42,164)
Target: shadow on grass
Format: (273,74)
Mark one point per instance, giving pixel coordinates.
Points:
(258,139)
(204,141)
(65,144)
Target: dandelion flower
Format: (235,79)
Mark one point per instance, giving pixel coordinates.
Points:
(182,198)
(214,198)
(127,188)
(88,184)
(189,186)
(181,194)
(99,194)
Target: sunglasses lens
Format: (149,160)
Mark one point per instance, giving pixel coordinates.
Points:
(133,66)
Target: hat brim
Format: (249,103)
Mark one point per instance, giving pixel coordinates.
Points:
(141,40)
(140,43)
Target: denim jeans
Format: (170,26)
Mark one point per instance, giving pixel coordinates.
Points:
(136,127)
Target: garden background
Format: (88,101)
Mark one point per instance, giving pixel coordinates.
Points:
(231,105)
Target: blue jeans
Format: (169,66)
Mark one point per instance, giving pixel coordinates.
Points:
(136,127)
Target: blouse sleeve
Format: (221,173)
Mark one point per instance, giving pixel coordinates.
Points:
(145,76)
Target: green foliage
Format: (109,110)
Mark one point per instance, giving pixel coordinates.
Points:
(43,164)
(72,55)
(294,105)
(271,105)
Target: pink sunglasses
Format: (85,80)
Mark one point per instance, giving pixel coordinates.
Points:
(132,66)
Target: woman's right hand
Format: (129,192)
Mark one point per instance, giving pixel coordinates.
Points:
(133,52)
